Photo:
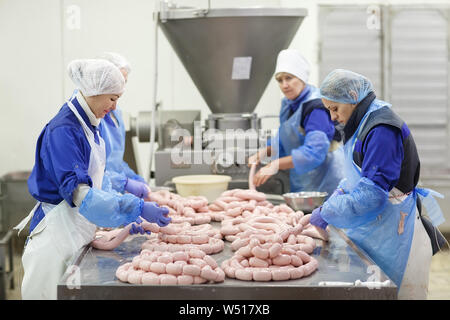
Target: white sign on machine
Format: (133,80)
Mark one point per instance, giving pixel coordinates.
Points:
(241,68)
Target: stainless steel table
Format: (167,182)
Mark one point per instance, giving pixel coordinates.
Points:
(341,263)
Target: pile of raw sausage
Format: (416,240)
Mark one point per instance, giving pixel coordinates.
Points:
(239,202)
(192,209)
(266,230)
(269,261)
(184,237)
(174,237)
(279,253)
(271,243)
(171,268)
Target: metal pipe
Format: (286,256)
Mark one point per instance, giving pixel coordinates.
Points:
(155,87)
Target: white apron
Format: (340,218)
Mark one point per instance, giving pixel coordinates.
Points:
(60,234)
(415,279)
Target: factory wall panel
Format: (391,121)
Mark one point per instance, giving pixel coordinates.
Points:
(420,93)
(406,57)
(350,43)
(419,81)
(30,80)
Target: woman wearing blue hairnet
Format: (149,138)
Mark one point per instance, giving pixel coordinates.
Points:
(307,142)
(118,175)
(376,202)
(66,180)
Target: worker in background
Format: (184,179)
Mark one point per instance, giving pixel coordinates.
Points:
(67,178)
(118,175)
(377,201)
(307,141)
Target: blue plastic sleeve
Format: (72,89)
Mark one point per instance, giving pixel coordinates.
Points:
(361,205)
(110,210)
(312,153)
(129,173)
(117,180)
(343,184)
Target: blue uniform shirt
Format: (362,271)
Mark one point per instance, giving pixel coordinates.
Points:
(319,119)
(383,156)
(61,160)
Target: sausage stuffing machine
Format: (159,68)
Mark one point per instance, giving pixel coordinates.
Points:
(230,55)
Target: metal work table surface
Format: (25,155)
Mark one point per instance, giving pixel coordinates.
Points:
(92,276)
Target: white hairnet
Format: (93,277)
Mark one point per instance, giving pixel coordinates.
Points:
(116,59)
(96,76)
(345,86)
(292,61)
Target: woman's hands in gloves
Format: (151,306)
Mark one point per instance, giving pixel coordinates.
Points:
(271,169)
(313,230)
(256,158)
(266,172)
(152,212)
(316,219)
(139,189)
(137,228)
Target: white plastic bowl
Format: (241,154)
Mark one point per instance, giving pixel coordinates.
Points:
(209,186)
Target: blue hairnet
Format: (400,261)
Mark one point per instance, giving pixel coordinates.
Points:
(345,86)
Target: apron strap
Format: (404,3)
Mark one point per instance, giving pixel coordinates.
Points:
(433,209)
(86,130)
(25,221)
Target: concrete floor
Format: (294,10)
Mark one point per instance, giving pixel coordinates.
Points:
(439,281)
(438,289)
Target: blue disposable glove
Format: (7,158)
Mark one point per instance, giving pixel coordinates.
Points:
(152,212)
(139,189)
(316,219)
(137,228)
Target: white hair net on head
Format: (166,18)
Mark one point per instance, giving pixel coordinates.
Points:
(96,76)
(116,59)
(345,86)
(292,61)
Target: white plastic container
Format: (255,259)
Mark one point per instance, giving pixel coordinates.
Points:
(209,186)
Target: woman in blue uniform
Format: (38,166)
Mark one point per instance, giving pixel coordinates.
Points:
(118,174)
(307,142)
(377,200)
(66,181)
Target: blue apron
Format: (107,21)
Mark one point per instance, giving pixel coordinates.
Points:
(387,239)
(114,141)
(327,175)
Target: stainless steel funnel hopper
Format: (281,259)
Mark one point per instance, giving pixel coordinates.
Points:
(230,54)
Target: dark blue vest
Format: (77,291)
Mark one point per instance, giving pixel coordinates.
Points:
(409,174)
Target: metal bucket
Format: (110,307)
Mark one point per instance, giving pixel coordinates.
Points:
(305,201)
